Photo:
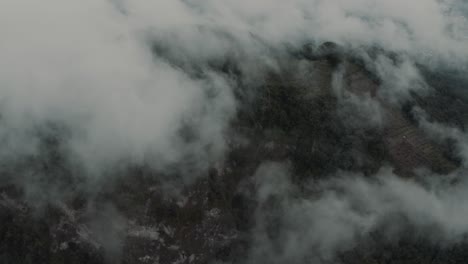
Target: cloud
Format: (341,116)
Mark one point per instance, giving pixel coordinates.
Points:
(111,84)
(441,133)
(90,66)
(332,216)
(82,65)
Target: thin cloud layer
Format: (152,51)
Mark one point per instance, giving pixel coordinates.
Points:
(82,65)
(117,83)
(90,66)
(346,209)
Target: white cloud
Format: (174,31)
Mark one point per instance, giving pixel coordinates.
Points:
(334,215)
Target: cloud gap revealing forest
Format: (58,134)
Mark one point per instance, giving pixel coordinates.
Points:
(235,131)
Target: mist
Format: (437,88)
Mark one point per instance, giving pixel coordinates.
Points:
(120,101)
(92,89)
(347,209)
